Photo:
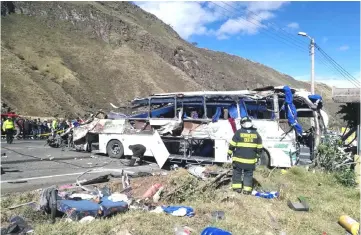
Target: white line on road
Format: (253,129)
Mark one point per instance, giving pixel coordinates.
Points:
(79,173)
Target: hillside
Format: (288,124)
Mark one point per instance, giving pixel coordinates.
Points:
(70,57)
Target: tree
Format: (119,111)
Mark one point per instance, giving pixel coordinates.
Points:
(350,114)
(195,44)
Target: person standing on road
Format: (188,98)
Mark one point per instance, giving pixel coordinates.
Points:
(17,128)
(35,129)
(244,149)
(54,125)
(26,131)
(138,154)
(9,127)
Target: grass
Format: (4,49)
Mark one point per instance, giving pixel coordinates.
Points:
(244,214)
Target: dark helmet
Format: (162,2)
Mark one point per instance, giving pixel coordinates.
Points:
(245,119)
(246,122)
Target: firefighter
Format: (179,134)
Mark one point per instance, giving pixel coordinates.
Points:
(9,127)
(244,149)
(138,154)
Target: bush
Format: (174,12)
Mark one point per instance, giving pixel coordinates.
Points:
(346,177)
(331,157)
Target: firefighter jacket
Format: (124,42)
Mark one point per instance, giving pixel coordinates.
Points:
(54,125)
(8,125)
(245,145)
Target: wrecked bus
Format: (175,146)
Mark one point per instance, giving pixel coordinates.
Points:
(198,126)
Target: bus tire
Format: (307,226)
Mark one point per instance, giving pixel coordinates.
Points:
(264,159)
(115,149)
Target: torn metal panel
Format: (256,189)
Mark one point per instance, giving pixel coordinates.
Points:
(166,125)
(81,131)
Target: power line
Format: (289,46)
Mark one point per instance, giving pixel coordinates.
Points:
(336,65)
(261,27)
(326,58)
(333,69)
(295,39)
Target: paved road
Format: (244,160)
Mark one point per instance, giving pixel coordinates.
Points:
(30,161)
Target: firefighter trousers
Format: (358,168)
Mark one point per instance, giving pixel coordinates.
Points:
(242,178)
(9,136)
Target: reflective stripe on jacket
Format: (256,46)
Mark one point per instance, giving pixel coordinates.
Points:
(245,145)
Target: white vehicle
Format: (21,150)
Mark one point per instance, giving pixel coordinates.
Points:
(198,126)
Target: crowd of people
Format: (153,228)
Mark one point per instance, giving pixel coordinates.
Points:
(26,128)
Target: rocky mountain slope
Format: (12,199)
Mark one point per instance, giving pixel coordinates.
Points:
(70,57)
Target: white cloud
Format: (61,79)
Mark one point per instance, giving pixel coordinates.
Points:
(332,81)
(265,6)
(193,18)
(187,18)
(255,17)
(344,48)
(293,25)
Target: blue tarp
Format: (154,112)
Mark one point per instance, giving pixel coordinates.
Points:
(232,111)
(243,109)
(315,97)
(317,100)
(171,209)
(216,116)
(291,110)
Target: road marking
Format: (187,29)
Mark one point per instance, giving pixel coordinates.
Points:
(79,173)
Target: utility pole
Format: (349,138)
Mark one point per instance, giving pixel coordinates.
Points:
(312,54)
(312,50)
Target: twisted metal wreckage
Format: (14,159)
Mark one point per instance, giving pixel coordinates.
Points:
(197,126)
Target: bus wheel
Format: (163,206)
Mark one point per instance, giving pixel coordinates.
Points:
(264,159)
(115,149)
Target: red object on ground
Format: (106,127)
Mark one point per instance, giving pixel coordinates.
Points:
(233,124)
(152,190)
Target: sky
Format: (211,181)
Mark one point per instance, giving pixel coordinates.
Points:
(266,32)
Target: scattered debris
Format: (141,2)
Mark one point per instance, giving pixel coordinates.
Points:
(66,186)
(17,182)
(349,224)
(174,167)
(268,195)
(17,226)
(296,206)
(20,205)
(179,210)
(197,171)
(157,195)
(182,230)
(84,196)
(87,219)
(151,191)
(274,223)
(214,231)
(218,215)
